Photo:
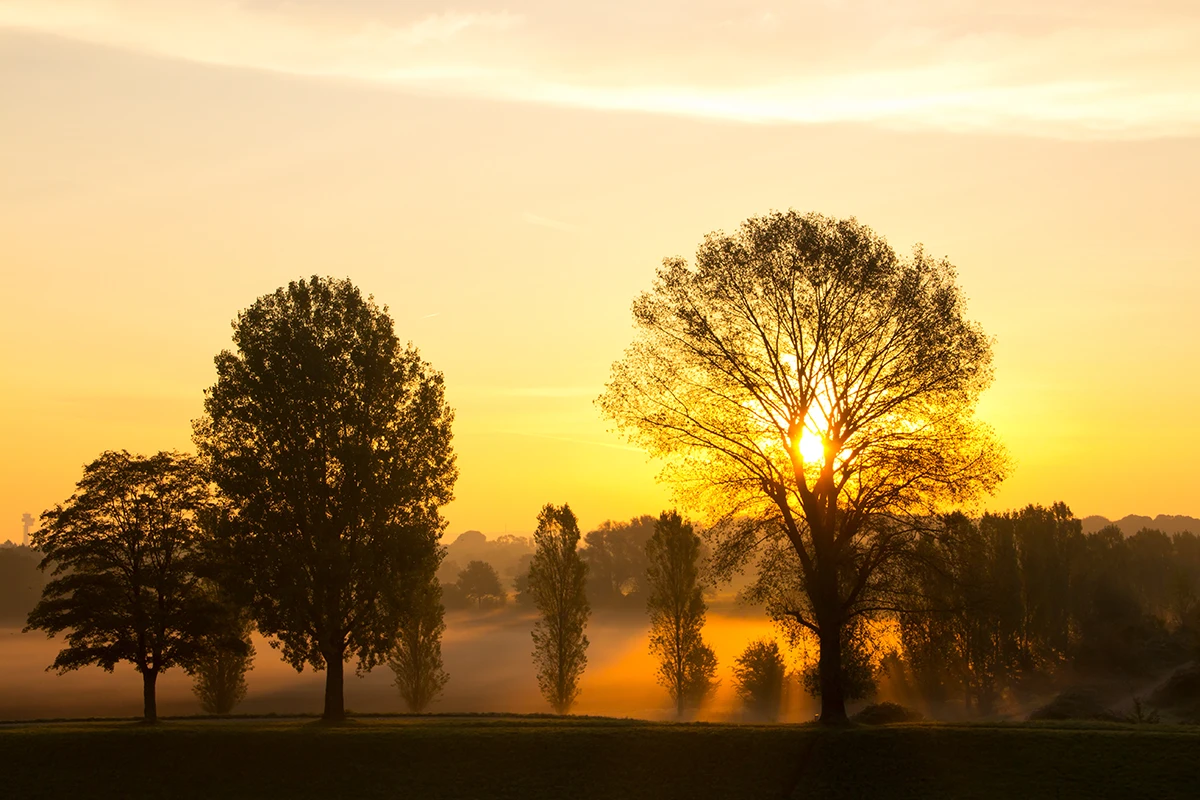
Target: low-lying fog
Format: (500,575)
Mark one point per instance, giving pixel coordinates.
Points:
(486,654)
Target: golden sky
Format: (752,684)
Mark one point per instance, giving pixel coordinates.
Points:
(507,177)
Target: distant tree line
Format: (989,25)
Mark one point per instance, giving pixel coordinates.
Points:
(1013,603)
(20,583)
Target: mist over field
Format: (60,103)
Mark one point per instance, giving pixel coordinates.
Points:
(487,655)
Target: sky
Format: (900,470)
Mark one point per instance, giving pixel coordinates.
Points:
(506,177)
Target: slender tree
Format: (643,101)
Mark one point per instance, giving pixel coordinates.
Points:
(556,581)
(125,555)
(416,660)
(219,674)
(686,665)
(331,442)
(810,389)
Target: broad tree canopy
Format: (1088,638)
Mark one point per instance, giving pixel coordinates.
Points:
(331,442)
(815,391)
(126,554)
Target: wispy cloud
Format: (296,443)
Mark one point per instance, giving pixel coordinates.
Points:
(1074,68)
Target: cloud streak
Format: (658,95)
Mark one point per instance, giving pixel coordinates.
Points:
(1100,69)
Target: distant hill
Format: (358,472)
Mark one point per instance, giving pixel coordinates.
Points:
(1133,523)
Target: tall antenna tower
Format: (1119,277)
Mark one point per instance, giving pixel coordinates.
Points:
(27,525)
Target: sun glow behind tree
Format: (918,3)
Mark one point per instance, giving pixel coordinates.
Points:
(815,394)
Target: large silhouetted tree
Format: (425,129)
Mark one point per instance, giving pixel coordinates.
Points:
(686,665)
(126,555)
(556,582)
(811,389)
(416,660)
(331,441)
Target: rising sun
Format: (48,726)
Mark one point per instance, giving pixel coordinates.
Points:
(812,450)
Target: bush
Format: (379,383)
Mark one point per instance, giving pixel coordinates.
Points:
(1181,689)
(1076,703)
(1180,693)
(886,714)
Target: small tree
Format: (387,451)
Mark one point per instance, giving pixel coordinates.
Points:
(676,608)
(417,659)
(523,597)
(556,581)
(125,556)
(759,674)
(219,675)
(479,583)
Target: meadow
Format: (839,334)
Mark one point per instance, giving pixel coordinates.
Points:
(529,757)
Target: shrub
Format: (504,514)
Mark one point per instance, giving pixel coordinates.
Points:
(1075,703)
(886,714)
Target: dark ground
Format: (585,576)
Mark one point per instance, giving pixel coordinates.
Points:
(539,757)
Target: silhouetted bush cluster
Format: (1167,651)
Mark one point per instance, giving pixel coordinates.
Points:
(1180,693)
(1077,703)
(886,713)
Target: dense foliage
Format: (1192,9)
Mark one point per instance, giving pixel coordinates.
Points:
(331,444)
(1011,604)
(126,557)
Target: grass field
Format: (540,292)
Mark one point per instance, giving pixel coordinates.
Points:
(537,757)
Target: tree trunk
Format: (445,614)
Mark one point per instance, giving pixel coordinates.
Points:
(833,695)
(149,699)
(335,702)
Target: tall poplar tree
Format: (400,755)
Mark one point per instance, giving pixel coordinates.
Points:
(417,659)
(557,576)
(686,665)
